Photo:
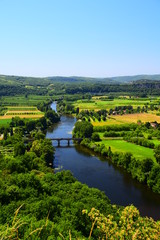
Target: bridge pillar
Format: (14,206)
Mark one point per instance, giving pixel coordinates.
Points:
(58,143)
(68,143)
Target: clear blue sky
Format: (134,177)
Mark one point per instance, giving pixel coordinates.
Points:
(97,38)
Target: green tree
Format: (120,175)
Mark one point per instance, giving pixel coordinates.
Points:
(157,153)
(95,137)
(43,148)
(19,149)
(83,129)
(52,116)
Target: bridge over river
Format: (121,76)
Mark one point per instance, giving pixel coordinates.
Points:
(68,139)
(78,140)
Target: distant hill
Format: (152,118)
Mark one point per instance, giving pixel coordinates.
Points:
(140,84)
(19,80)
(126,79)
(110,80)
(35,81)
(75,79)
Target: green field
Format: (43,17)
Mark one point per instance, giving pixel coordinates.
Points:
(97,104)
(19,108)
(4,122)
(138,152)
(30,100)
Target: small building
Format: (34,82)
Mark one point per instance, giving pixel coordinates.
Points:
(154,124)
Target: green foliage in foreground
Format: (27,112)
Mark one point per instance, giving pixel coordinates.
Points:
(57,199)
(37,204)
(130,225)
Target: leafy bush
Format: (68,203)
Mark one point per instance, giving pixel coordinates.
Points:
(83,129)
(95,137)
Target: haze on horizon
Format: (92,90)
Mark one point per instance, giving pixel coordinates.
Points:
(104,38)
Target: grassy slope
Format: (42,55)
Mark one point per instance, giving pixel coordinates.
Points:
(138,152)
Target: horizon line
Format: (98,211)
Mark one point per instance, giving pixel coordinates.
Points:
(134,75)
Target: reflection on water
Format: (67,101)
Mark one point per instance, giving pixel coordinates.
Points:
(98,172)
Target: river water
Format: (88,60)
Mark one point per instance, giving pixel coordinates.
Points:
(98,172)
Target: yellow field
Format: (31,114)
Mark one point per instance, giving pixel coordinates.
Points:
(22,112)
(22,116)
(129,118)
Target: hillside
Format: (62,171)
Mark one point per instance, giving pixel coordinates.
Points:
(144,84)
(20,80)
(109,80)
(126,79)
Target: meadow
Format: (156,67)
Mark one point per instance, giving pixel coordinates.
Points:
(139,152)
(97,103)
(22,100)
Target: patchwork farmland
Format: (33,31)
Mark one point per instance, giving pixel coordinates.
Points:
(22,112)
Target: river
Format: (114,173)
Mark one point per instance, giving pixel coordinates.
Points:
(98,172)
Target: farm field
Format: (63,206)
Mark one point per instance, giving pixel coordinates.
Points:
(22,112)
(30,100)
(7,117)
(128,118)
(139,152)
(98,104)
(19,108)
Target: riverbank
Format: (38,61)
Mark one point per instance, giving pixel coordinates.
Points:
(142,170)
(97,171)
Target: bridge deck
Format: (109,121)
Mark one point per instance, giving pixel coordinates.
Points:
(60,139)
